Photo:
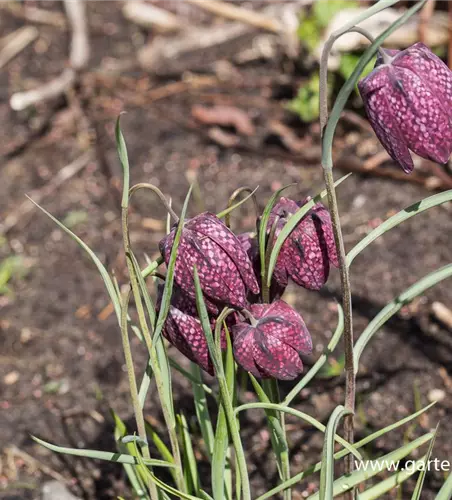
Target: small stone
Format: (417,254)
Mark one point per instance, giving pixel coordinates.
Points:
(11,378)
(54,490)
(436,395)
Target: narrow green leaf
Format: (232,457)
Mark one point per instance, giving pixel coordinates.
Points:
(327,470)
(101,455)
(340,454)
(219,458)
(145,384)
(230,209)
(445,493)
(347,482)
(189,454)
(168,289)
(159,444)
(321,361)
(202,410)
(389,483)
(420,481)
(123,157)
(103,272)
(291,224)
(135,479)
(151,477)
(174,364)
(395,220)
(264,223)
(303,416)
(225,397)
(393,307)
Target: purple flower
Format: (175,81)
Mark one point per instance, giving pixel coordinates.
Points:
(183,329)
(225,271)
(309,249)
(408,99)
(250,245)
(271,346)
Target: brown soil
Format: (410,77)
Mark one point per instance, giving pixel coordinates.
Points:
(64,350)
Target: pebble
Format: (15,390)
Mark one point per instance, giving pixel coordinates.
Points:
(54,490)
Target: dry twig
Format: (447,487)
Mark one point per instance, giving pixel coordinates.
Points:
(35,14)
(76,13)
(16,42)
(246,16)
(53,88)
(150,16)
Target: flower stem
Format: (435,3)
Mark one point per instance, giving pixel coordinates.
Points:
(350,373)
(168,414)
(139,418)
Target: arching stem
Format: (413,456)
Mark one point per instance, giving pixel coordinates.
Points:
(156,190)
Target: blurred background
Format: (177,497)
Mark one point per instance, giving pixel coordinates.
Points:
(223,94)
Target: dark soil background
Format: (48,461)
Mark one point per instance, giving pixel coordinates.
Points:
(61,361)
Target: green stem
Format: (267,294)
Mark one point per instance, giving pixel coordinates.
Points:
(139,418)
(233,197)
(167,413)
(272,390)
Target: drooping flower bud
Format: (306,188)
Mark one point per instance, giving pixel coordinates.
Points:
(183,329)
(224,269)
(271,346)
(250,245)
(309,249)
(408,99)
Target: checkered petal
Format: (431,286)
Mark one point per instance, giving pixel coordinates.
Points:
(409,105)
(210,226)
(275,358)
(320,213)
(376,93)
(271,347)
(306,256)
(220,279)
(186,334)
(243,347)
(284,323)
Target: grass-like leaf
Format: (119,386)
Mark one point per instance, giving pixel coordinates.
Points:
(377,491)
(124,159)
(393,307)
(301,415)
(103,272)
(135,479)
(230,209)
(340,454)
(327,470)
(445,493)
(202,410)
(395,220)
(225,397)
(347,482)
(262,234)
(290,226)
(420,481)
(189,454)
(101,455)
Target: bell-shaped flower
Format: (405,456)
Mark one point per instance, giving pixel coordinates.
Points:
(408,100)
(224,269)
(309,249)
(183,329)
(270,344)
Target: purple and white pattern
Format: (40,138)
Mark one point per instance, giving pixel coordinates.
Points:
(409,105)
